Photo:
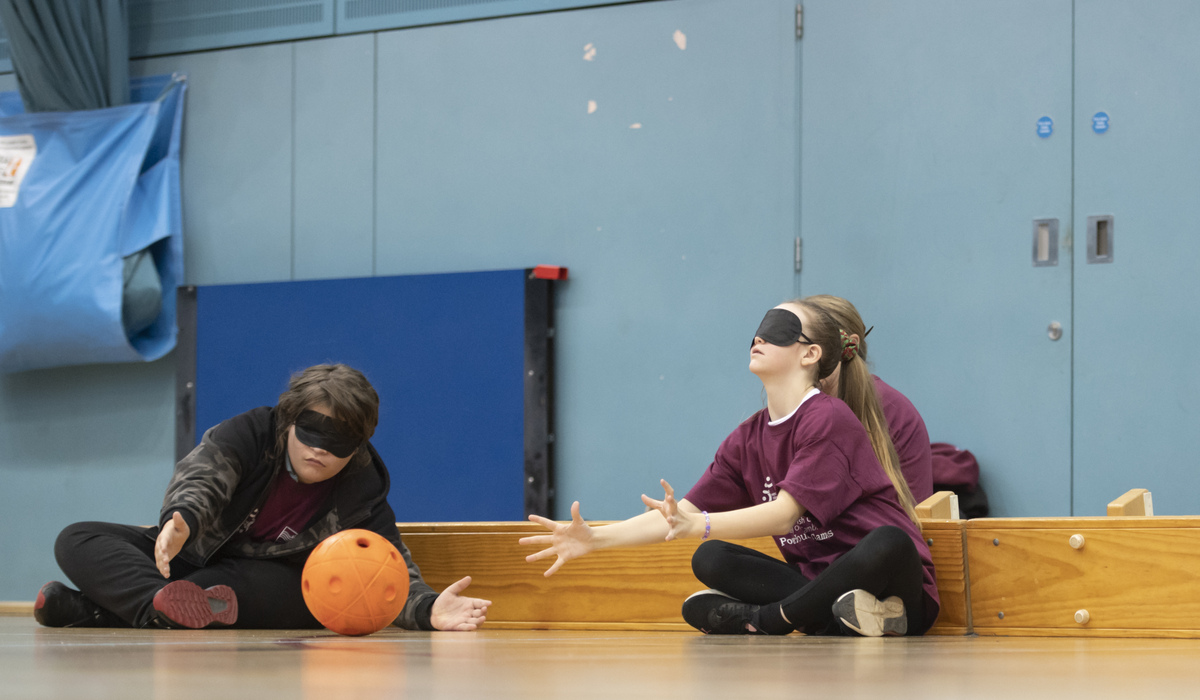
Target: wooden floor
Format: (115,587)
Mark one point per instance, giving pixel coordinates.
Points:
(36,662)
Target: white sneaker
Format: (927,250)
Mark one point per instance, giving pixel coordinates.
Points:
(864,614)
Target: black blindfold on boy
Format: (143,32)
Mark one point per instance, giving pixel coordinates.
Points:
(325,433)
(781,327)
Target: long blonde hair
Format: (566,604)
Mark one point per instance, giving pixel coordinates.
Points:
(831,316)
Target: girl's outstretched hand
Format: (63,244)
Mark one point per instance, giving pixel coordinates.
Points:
(682,524)
(566,541)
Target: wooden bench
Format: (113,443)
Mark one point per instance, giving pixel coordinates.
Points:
(629,588)
(1126,575)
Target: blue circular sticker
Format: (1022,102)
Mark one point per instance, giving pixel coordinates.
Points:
(1099,122)
(1045,127)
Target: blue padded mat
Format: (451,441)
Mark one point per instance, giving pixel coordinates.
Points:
(445,353)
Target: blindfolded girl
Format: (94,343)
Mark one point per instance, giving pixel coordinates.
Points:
(807,470)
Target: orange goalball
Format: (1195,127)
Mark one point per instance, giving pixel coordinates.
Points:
(355,582)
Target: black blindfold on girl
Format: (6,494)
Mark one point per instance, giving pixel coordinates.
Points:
(324,433)
(781,327)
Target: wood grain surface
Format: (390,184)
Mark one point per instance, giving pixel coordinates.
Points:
(1141,581)
(629,588)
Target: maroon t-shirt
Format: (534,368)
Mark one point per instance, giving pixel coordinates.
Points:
(288,508)
(822,456)
(910,438)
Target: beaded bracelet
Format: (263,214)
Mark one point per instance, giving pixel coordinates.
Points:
(707,525)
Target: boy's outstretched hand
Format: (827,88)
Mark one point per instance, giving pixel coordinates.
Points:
(170,540)
(566,541)
(456,613)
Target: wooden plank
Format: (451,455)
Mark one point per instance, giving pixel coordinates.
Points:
(591,626)
(1134,502)
(1099,523)
(16,608)
(945,534)
(1096,633)
(632,588)
(1144,580)
(636,585)
(939,630)
(947,544)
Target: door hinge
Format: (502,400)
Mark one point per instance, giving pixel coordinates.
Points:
(799,21)
(799,254)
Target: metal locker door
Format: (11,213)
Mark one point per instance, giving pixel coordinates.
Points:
(933,136)
(1137,296)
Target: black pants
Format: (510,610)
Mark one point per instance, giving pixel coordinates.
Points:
(884,563)
(114,566)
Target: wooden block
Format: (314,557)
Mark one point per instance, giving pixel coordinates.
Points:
(1132,577)
(942,505)
(1134,502)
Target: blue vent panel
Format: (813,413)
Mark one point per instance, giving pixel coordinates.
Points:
(159,27)
(373,15)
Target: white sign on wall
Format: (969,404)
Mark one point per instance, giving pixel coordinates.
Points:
(16,155)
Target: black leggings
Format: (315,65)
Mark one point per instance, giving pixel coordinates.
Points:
(884,563)
(114,566)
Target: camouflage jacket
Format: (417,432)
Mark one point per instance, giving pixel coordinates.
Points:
(219,487)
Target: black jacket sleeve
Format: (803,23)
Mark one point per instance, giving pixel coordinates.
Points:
(417,611)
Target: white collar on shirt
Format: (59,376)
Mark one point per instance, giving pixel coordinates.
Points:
(292,472)
(809,395)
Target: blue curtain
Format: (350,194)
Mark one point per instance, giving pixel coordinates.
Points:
(69,54)
(90,233)
(82,194)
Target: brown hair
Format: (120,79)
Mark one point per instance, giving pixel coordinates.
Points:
(829,316)
(344,390)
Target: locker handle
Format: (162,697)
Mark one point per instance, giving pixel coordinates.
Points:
(1100,239)
(1045,242)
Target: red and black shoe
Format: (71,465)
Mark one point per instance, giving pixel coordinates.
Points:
(60,606)
(183,604)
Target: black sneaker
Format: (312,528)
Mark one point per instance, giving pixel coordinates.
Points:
(714,612)
(184,604)
(60,606)
(859,612)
